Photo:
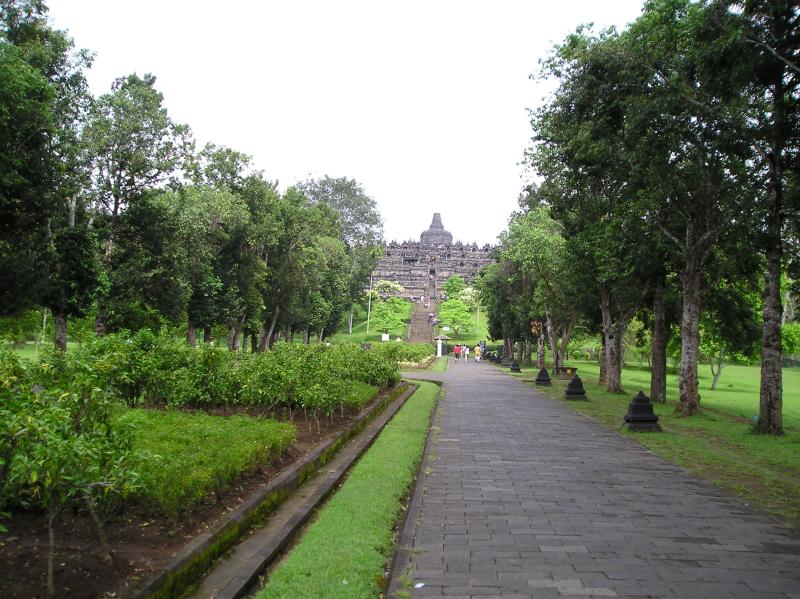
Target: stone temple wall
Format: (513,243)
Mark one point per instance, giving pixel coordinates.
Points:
(422,267)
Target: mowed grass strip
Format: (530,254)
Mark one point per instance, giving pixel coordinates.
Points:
(183,457)
(718,444)
(440,365)
(345,551)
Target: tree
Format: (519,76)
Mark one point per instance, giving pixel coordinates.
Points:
(360,225)
(387,288)
(535,245)
(386,316)
(356,211)
(453,313)
(768,43)
(67,286)
(134,147)
(26,116)
(211,221)
(148,284)
(646,124)
(73,279)
(453,285)
(729,327)
(470,296)
(219,166)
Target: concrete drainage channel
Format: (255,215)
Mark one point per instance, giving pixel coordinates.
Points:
(270,517)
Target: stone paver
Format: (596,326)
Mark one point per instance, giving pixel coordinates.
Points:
(520,497)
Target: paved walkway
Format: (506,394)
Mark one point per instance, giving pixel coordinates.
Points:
(521,497)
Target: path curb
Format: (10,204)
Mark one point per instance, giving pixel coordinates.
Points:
(191,562)
(407,530)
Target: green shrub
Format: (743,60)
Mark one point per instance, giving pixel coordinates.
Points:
(209,378)
(150,369)
(12,373)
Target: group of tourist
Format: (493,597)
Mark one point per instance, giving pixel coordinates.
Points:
(463,350)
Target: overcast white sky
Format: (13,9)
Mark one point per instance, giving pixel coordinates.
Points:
(424,103)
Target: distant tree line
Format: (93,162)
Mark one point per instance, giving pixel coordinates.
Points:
(107,208)
(668,166)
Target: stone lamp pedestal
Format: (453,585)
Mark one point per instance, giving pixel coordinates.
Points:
(543,378)
(640,416)
(575,389)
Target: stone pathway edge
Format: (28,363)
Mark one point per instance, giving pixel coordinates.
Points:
(408,527)
(191,562)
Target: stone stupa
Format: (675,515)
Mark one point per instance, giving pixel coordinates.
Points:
(436,235)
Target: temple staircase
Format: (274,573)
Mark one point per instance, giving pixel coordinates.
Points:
(420,331)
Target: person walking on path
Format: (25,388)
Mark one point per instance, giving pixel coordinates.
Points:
(466,353)
(477,353)
(457,352)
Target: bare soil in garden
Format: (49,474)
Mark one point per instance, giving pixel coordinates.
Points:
(141,542)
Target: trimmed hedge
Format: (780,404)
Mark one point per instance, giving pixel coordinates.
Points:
(148,369)
(181,457)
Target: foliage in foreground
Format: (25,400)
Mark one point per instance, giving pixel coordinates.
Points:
(344,553)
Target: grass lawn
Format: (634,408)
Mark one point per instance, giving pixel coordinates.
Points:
(29,351)
(718,443)
(345,551)
(186,456)
(439,365)
(478,331)
(360,334)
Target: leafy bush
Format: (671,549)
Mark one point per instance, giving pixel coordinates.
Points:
(58,448)
(408,352)
(11,371)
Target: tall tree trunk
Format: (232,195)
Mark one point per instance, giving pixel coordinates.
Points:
(553,337)
(771,392)
(520,351)
(566,335)
(44,329)
(612,334)
(307,334)
(540,363)
(350,319)
(208,334)
(601,380)
(771,396)
(253,343)
(715,372)
(233,337)
(528,350)
(191,335)
(61,331)
(100,320)
(689,396)
(105,549)
(321,335)
(267,336)
(273,339)
(658,366)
